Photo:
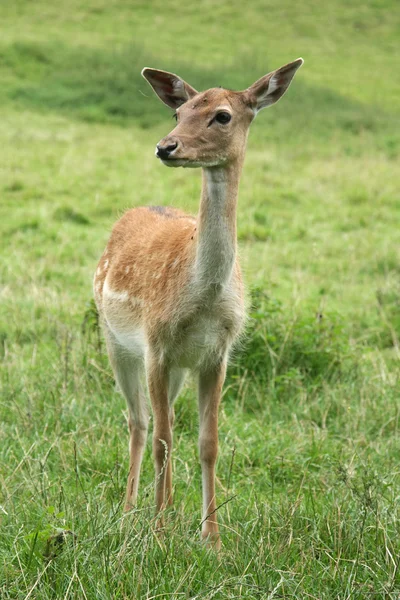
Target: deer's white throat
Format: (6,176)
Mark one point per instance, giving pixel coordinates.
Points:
(216,247)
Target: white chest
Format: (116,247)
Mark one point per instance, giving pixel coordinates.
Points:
(207,336)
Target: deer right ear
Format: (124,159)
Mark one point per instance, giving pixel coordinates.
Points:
(170,88)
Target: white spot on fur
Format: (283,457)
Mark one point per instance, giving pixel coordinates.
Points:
(113,295)
(175,263)
(127,269)
(105,265)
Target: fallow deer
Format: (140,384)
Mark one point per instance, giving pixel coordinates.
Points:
(168,286)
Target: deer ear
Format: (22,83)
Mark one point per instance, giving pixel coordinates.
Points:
(170,88)
(271,87)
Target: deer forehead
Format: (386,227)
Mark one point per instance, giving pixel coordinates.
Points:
(211,101)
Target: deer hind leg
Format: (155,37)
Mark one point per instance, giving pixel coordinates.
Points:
(210,387)
(128,371)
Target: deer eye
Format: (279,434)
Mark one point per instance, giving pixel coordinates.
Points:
(223,117)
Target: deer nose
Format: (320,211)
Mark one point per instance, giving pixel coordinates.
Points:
(164,150)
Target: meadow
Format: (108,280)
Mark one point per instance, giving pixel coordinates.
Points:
(308,471)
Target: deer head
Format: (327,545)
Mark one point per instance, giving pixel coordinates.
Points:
(212,126)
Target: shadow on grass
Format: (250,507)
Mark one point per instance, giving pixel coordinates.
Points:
(105,86)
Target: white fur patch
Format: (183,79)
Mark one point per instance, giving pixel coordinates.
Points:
(113,295)
(273,85)
(133,340)
(178,85)
(136,302)
(217,249)
(175,263)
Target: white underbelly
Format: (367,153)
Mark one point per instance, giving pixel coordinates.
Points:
(189,350)
(205,340)
(199,344)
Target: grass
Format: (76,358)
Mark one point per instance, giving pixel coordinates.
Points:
(308,475)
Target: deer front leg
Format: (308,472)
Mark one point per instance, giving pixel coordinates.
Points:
(128,372)
(157,377)
(210,387)
(168,482)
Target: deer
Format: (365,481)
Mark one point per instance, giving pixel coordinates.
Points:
(168,286)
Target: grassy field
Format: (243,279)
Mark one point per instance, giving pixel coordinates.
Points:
(310,449)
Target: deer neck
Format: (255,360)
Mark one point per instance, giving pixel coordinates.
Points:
(216,235)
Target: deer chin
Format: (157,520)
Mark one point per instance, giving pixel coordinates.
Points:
(174,162)
(187,163)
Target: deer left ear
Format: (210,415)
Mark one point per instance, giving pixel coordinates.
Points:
(170,88)
(270,88)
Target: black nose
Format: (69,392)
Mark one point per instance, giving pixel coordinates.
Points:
(165,151)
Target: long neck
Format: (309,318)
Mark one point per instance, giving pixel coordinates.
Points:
(216,236)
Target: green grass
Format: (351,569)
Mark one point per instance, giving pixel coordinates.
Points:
(309,432)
